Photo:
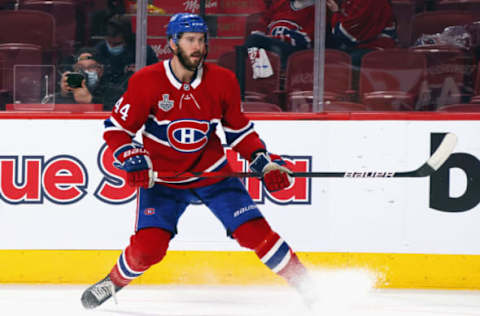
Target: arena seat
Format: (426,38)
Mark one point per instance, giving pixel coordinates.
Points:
(227,60)
(64,13)
(5,94)
(253,22)
(304,104)
(476,90)
(471,6)
(27,80)
(390,80)
(462,107)
(337,81)
(252,106)
(255,89)
(431,22)
(28,26)
(7,4)
(449,73)
(3,67)
(403,10)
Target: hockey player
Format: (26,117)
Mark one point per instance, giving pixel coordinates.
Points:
(180,102)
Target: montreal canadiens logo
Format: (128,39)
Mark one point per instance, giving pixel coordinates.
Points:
(149,211)
(279,27)
(188,135)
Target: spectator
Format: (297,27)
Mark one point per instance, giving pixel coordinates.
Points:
(100,18)
(286,26)
(94,88)
(117,51)
(360,26)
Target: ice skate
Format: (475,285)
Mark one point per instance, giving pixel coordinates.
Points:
(98,293)
(308,290)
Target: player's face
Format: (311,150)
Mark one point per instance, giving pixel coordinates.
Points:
(191,49)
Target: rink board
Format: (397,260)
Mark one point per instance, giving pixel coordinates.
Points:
(240,268)
(413,232)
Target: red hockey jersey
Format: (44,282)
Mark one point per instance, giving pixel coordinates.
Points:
(291,21)
(180,120)
(365,24)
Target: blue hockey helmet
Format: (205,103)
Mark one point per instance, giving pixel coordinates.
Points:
(186,22)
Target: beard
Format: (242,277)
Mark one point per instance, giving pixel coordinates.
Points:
(186,61)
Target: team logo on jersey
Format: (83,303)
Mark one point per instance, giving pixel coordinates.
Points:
(289,30)
(188,135)
(166,104)
(149,211)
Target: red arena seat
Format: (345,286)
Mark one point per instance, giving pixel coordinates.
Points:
(432,22)
(463,107)
(227,60)
(391,79)
(253,23)
(449,74)
(403,10)
(305,105)
(21,72)
(262,89)
(64,13)
(251,106)
(299,76)
(472,6)
(28,26)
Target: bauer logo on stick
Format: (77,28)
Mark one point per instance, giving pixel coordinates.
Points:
(367,174)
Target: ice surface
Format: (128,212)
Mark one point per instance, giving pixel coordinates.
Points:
(341,293)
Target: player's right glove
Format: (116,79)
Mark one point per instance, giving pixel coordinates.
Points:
(138,165)
(276,177)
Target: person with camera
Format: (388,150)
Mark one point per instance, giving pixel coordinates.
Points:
(86,84)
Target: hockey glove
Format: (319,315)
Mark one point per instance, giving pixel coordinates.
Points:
(275,176)
(297,39)
(138,165)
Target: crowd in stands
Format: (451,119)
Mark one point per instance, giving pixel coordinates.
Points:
(415,55)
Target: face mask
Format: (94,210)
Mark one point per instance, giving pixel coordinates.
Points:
(117,50)
(92,78)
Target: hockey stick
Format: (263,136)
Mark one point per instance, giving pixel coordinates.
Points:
(433,163)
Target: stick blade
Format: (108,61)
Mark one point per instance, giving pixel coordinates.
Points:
(443,151)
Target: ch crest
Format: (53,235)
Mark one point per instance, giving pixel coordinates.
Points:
(165,104)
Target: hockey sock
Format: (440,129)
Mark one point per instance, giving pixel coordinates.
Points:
(147,247)
(272,250)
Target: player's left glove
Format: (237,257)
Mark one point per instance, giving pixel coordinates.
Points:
(138,165)
(275,176)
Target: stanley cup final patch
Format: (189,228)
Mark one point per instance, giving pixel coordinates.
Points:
(166,104)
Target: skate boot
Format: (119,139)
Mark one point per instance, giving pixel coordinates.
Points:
(98,293)
(308,290)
